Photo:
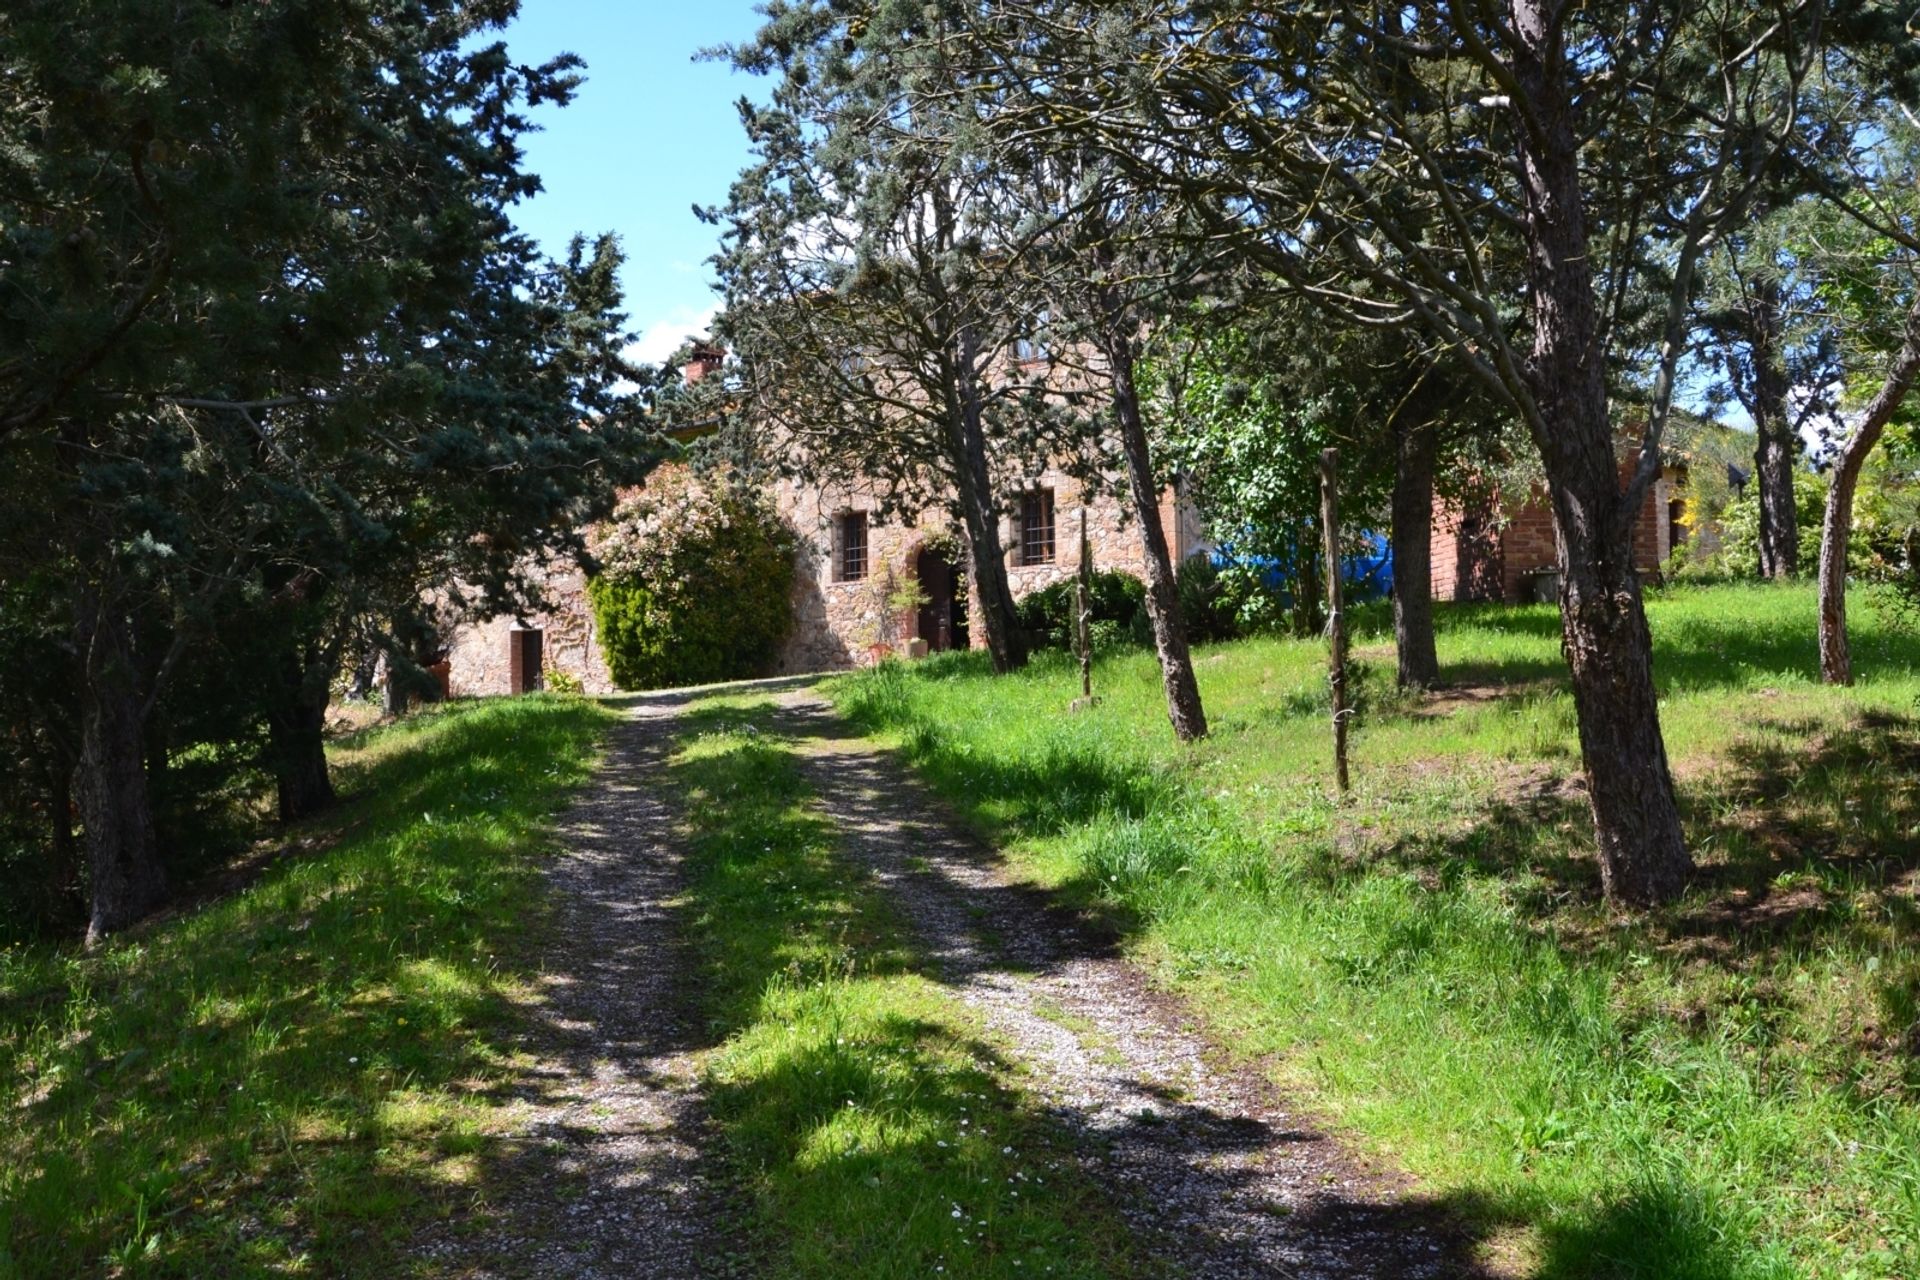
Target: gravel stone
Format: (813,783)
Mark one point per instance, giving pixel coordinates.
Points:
(1202,1156)
(610,1177)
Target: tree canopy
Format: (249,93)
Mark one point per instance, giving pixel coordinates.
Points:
(273,360)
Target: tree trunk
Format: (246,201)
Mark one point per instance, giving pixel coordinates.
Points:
(366,666)
(1307,621)
(1642,849)
(1836,526)
(986,556)
(63,854)
(1163,598)
(1779,516)
(1419,661)
(296,730)
(123,855)
(1774,448)
(1336,612)
(60,811)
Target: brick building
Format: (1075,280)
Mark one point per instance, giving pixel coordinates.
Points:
(1496,548)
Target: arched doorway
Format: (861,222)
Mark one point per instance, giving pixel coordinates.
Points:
(943,618)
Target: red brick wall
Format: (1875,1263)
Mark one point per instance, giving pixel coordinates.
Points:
(1527,544)
(1467,567)
(1467,560)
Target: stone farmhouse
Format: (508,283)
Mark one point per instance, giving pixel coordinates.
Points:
(853,564)
(851,561)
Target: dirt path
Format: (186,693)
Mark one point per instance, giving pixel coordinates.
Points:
(604,1177)
(1200,1156)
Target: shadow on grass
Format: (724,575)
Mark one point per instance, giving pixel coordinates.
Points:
(1808,843)
(1801,837)
(1693,648)
(279,1076)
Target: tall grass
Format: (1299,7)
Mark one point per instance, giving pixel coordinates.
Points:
(1725,1088)
(293,1080)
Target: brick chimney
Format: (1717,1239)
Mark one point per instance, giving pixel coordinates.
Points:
(705,358)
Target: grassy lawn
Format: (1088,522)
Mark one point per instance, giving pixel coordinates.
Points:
(1723,1089)
(878,1130)
(292,1081)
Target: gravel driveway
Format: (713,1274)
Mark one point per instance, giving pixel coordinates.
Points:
(1200,1155)
(607,1173)
(606,1176)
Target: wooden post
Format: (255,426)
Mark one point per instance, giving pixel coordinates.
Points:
(1336,616)
(1083,612)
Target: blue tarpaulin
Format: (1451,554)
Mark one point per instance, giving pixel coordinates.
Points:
(1369,572)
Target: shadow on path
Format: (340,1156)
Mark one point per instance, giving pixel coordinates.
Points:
(606,1174)
(1200,1156)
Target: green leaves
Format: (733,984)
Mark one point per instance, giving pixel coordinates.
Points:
(274,361)
(697,585)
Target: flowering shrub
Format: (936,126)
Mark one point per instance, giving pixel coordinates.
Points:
(696,585)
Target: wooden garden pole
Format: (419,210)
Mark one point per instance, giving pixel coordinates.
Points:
(1336,617)
(1082,612)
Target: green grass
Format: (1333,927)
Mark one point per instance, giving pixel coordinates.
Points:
(1725,1088)
(293,1080)
(876,1127)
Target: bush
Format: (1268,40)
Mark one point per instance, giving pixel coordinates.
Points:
(697,586)
(1739,555)
(1209,605)
(1119,607)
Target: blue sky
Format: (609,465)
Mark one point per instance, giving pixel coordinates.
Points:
(651,134)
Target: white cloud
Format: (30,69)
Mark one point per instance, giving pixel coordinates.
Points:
(669,333)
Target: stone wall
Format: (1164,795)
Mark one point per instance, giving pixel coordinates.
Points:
(479,651)
(1466,559)
(842,624)
(836,624)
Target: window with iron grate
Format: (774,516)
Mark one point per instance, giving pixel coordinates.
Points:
(1036,527)
(850,560)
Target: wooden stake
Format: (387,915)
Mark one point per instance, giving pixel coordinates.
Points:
(1083,612)
(1336,616)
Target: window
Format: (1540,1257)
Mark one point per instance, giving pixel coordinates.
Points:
(1036,527)
(850,562)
